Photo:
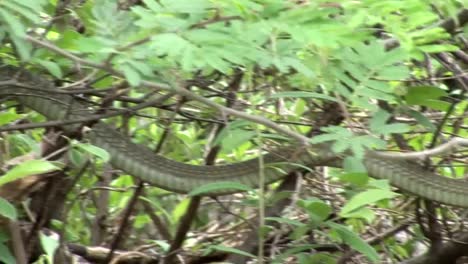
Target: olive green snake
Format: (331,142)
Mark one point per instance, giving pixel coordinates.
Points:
(140,161)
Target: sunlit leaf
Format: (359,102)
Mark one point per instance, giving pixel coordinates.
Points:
(7,117)
(49,244)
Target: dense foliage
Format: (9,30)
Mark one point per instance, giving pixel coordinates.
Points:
(388,75)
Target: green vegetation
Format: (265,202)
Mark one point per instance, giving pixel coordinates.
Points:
(231,79)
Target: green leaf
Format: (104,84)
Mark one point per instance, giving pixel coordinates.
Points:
(353,164)
(27,168)
(436,104)
(236,137)
(25,12)
(7,117)
(379,119)
(332,133)
(378,124)
(366,198)
(180,210)
(143,68)
(6,256)
(420,94)
(363,212)
(94,150)
(355,171)
(302,94)
(164,245)
(220,186)
(354,241)
(341,145)
(7,209)
(85,44)
(4,236)
(35,5)
(77,157)
(283,220)
(299,66)
(24,48)
(52,67)
(49,244)
(394,73)
(230,250)
(233,131)
(422,119)
(394,128)
(356,178)
(317,209)
(153,5)
(316,258)
(133,76)
(14,23)
(380,184)
(436,48)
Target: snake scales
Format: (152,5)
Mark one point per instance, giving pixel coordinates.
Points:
(141,162)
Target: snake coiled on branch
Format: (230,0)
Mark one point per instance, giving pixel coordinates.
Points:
(39,94)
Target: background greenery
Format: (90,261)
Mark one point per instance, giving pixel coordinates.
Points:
(363,74)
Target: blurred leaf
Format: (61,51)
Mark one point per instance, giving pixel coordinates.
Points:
(24,48)
(354,241)
(7,117)
(230,250)
(283,220)
(378,124)
(420,94)
(353,164)
(94,150)
(13,23)
(133,76)
(363,212)
(186,6)
(422,119)
(235,138)
(49,244)
(52,67)
(356,178)
(436,48)
(220,186)
(27,12)
(6,256)
(366,198)
(302,94)
(7,209)
(180,210)
(317,209)
(27,168)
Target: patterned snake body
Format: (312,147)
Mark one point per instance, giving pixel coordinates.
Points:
(141,162)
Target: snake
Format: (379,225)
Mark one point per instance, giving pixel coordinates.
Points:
(38,93)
